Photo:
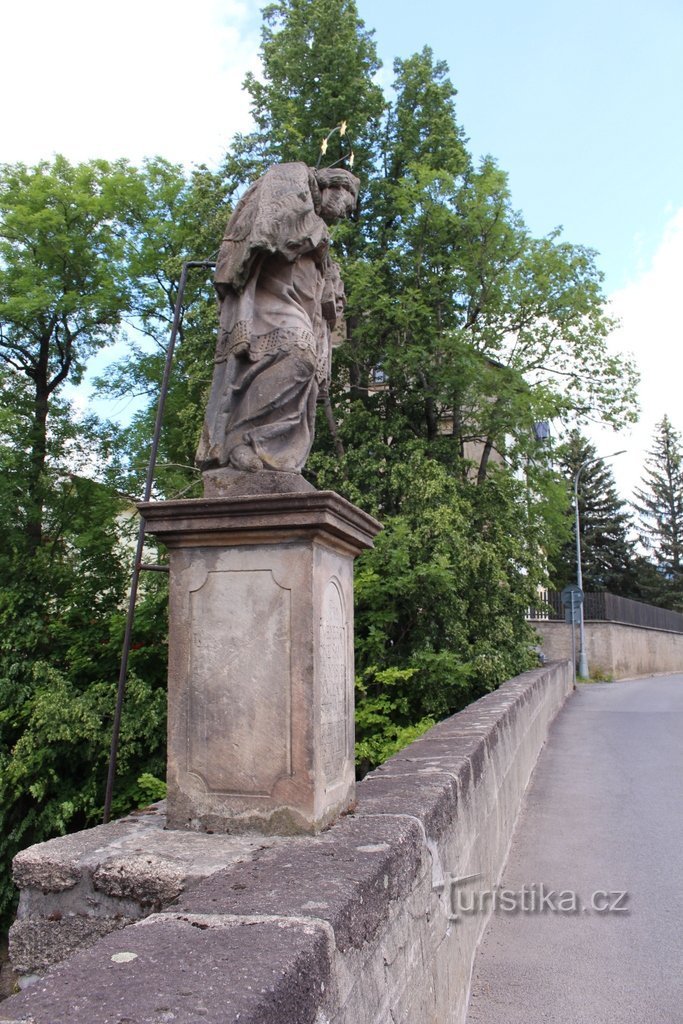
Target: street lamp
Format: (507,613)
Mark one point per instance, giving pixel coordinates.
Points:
(583,660)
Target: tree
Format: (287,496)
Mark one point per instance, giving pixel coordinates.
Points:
(441,601)
(173,218)
(63,289)
(476,329)
(463,330)
(464,316)
(61,628)
(606,549)
(659,505)
(71,239)
(318,69)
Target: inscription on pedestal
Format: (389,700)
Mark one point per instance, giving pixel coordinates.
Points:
(240,683)
(333,684)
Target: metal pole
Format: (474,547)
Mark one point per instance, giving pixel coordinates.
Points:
(149,480)
(573,629)
(583,659)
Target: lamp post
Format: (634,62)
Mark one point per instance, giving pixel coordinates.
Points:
(583,660)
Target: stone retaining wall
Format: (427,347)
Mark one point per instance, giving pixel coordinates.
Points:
(353,926)
(615,649)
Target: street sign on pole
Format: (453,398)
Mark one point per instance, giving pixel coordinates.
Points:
(572,599)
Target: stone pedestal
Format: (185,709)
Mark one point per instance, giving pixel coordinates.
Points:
(261,681)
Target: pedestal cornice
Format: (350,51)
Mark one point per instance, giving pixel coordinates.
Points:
(261,518)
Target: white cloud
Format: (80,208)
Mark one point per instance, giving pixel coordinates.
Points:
(651,315)
(136,78)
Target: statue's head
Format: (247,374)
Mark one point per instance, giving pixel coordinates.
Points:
(338,193)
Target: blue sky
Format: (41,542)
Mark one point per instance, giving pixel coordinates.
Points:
(579,102)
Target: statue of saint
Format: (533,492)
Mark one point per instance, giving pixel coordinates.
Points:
(281,296)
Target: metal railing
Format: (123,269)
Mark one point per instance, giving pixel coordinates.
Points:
(138,565)
(610,608)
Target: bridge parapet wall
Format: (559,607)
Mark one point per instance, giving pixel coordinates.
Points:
(353,926)
(616,649)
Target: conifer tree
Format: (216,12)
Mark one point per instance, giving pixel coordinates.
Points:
(318,71)
(659,506)
(605,524)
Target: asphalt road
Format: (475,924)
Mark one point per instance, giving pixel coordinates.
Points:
(603,814)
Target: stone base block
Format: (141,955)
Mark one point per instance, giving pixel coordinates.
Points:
(227,482)
(77,888)
(261,681)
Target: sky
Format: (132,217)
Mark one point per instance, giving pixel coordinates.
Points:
(580,102)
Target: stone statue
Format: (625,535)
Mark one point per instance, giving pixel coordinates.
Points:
(281,296)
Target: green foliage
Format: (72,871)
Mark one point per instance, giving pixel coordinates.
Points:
(607,558)
(58,244)
(318,68)
(461,324)
(422,126)
(61,630)
(171,218)
(440,601)
(63,290)
(379,713)
(598,676)
(82,248)
(66,245)
(659,505)
(148,790)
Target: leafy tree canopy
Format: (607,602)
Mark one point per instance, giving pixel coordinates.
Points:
(63,290)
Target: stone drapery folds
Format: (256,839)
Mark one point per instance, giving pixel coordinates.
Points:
(281,295)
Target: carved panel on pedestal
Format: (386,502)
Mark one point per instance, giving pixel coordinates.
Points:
(239,701)
(333,684)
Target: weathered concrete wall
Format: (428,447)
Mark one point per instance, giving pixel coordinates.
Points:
(616,649)
(354,926)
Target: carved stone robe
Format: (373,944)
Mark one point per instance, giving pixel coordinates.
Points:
(280,295)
